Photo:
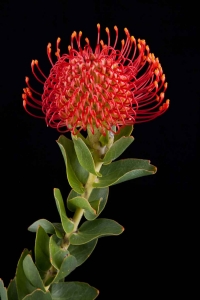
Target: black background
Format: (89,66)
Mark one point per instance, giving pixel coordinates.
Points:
(150,257)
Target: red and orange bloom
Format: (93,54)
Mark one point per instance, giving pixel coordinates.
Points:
(101,88)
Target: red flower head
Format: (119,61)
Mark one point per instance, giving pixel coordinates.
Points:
(102,88)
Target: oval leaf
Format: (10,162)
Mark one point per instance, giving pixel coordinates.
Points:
(57,253)
(39,295)
(84,156)
(82,252)
(24,287)
(67,266)
(59,230)
(42,258)
(98,199)
(67,224)
(81,203)
(32,273)
(117,148)
(45,224)
(124,131)
(73,291)
(76,174)
(91,230)
(3,291)
(12,290)
(123,170)
(49,227)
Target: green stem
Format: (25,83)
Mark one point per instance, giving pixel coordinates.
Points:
(88,189)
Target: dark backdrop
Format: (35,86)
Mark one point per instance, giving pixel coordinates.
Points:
(149,258)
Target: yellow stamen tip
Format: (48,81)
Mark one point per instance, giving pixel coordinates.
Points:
(162,95)
(115,27)
(80,33)
(98,26)
(132,39)
(87,40)
(107,29)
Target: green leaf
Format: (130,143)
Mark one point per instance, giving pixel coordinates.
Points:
(117,148)
(123,170)
(97,200)
(104,139)
(59,230)
(57,253)
(24,287)
(76,174)
(124,131)
(3,291)
(84,156)
(81,203)
(45,224)
(71,195)
(32,273)
(12,290)
(49,227)
(83,138)
(91,230)
(42,258)
(67,266)
(82,252)
(39,295)
(73,291)
(67,224)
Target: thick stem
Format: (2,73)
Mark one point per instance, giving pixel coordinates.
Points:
(88,189)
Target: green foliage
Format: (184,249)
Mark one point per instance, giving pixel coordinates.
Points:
(12,290)
(38,295)
(124,131)
(76,174)
(117,148)
(84,156)
(81,202)
(24,287)
(3,291)
(123,170)
(90,230)
(61,247)
(32,273)
(73,291)
(42,257)
(96,202)
(67,224)
(57,252)
(82,252)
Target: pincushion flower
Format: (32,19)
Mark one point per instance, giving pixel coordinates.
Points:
(101,88)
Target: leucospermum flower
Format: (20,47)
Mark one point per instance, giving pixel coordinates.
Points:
(101,88)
